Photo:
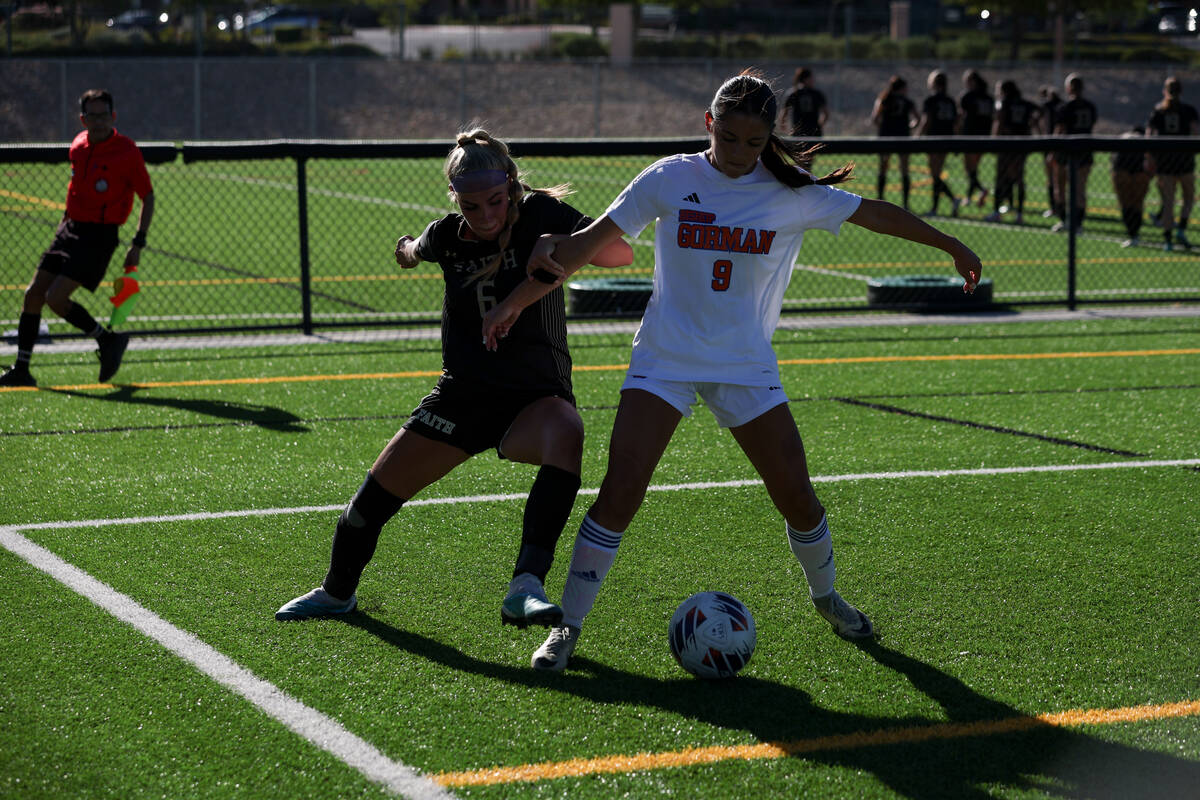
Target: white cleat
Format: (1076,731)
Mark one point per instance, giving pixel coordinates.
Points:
(555,652)
(317,603)
(846,620)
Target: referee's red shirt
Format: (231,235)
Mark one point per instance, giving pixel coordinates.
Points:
(104,176)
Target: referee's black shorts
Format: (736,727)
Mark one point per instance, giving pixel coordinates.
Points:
(472,417)
(81,251)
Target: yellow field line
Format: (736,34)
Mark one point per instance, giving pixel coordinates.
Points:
(850,741)
(39,201)
(1185,351)
(372,376)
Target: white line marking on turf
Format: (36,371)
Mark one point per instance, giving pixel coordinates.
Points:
(673,487)
(323,731)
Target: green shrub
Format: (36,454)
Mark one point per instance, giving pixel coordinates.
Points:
(744,47)
(966,47)
(681,47)
(576,45)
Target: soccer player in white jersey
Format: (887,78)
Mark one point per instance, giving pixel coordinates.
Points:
(730,225)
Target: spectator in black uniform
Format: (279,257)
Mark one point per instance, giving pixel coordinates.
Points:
(517,399)
(1131,179)
(1015,116)
(1173,117)
(894,115)
(939,113)
(977,108)
(1076,117)
(804,111)
(1049,101)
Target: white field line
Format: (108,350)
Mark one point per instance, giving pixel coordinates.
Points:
(319,729)
(323,731)
(671,487)
(288,186)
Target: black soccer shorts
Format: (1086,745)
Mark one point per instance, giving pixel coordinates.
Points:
(472,417)
(81,251)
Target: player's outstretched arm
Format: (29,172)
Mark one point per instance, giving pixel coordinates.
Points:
(887,218)
(557,257)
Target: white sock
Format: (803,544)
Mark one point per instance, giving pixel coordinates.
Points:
(814,550)
(593,556)
(526,583)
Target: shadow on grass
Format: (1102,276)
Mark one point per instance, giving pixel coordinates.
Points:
(1034,757)
(269,417)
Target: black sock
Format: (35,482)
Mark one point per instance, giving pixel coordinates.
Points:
(356,535)
(27,333)
(1132,217)
(546,511)
(974,182)
(905,185)
(78,316)
(880,182)
(1021,199)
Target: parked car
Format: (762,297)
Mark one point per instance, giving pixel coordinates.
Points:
(137,19)
(1177,20)
(266,20)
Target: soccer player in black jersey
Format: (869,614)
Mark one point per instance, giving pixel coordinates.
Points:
(517,399)
(977,111)
(939,113)
(894,115)
(1077,116)
(1015,116)
(1049,101)
(804,111)
(1131,179)
(1173,117)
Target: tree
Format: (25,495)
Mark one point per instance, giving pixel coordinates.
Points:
(1018,11)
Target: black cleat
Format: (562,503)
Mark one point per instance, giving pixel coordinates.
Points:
(111,349)
(17,376)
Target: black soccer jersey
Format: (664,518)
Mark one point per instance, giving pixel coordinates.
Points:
(1076,116)
(894,114)
(804,105)
(941,111)
(534,355)
(1015,116)
(977,106)
(1175,120)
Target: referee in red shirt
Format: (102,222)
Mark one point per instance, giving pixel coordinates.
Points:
(106,170)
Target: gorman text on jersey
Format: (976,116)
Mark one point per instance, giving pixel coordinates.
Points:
(697,232)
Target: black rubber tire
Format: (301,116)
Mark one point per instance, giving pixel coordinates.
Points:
(609,296)
(923,292)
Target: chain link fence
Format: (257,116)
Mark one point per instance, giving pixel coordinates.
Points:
(299,235)
(173,99)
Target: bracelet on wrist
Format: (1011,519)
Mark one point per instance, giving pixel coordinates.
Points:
(139,239)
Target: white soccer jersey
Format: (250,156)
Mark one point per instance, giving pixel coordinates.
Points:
(723,253)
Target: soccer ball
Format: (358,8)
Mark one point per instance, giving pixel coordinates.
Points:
(712,635)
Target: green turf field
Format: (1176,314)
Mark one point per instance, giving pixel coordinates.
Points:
(225,244)
(1016,506)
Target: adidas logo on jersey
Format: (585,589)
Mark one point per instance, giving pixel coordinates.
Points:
(692,198)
